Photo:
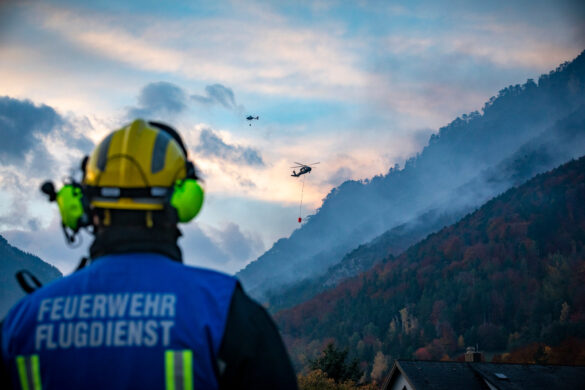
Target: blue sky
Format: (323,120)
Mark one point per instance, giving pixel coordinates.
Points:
(358,86)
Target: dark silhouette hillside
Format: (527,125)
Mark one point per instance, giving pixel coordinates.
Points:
(469,161)
(13,260)
(510,274)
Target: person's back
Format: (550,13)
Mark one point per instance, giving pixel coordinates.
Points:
(136,318)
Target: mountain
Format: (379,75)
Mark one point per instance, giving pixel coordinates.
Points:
(389,244)
(463,165)
(13,260)
(507,275)
(562,142)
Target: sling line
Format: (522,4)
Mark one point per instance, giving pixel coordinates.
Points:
(301,204)
(179,370)
(29,372)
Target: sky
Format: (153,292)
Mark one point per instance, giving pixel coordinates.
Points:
(357,86)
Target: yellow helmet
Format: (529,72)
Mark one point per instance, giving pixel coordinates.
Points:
(142,166)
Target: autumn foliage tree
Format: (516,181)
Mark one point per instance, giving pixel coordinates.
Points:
(510,274)
(318,380)
(333,362)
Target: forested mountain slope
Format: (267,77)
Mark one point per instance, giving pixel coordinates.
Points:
(509,274)
(13,260)
(458,157)
(563,141)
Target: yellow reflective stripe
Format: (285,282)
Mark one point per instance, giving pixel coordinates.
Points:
(29,372)
(188,369)
(21,364)
(179,370)
(169,370)
(36,372)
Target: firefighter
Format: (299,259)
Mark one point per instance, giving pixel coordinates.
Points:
(136,317)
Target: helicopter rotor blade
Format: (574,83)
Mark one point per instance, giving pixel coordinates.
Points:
(305,165)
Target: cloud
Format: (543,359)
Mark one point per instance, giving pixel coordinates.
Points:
(227,248)
(575,11)
(160,98)
(199,249)
(74,131)
(37,143)
(339,176)
(217,94)
(35,138)
(240,246)
(8,16)
(164,99)
(18,211)
(211,145)
(273,55)
(23,124)
(246,183)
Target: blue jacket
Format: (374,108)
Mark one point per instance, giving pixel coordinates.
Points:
(128,321)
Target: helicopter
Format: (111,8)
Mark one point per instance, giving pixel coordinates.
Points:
(251,118)
(305,168)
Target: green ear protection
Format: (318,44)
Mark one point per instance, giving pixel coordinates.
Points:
(71,207)
(187,194)
(187,199)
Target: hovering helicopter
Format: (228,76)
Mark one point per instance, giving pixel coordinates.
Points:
(251,118)
(305,168)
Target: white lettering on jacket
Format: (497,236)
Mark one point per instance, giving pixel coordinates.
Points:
(105,320)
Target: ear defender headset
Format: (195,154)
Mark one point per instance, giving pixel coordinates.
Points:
(142,166)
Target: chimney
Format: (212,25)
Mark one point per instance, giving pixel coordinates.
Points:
(472,355)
